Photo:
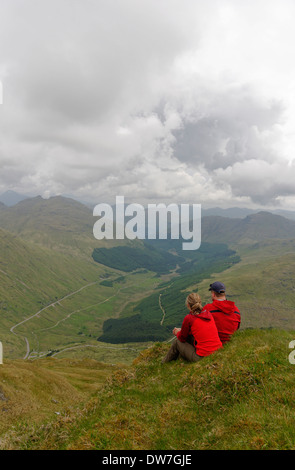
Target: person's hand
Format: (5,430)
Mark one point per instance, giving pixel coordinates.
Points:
(176,330)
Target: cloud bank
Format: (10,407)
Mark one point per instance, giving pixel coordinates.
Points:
(158,101)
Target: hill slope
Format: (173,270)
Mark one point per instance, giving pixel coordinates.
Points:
(31,278)
(239,398)
(40,390)
(253,228)
(52,301)
(54,222)
(262,284)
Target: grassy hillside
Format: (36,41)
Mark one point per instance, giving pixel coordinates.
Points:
(239,398)
(58,223)
(262,284)
(57,301)
(53,297)
(32,392)
(32,277)
(254,227)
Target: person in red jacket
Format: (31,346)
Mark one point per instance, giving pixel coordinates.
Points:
(199,328)
(225,313)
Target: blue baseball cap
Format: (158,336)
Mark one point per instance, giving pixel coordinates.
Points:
(217,287)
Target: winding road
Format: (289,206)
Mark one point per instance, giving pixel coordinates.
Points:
(42,310)
(65,318)
(27,354)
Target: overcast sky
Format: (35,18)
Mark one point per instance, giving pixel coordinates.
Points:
(185,101)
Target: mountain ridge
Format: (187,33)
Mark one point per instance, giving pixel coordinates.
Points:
(252,228)
(58,222)
(65,214)
(241,212)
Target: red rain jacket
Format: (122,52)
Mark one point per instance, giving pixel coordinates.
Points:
(204,331)
(227,317)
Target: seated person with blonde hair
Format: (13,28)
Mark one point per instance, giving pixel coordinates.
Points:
(199,328)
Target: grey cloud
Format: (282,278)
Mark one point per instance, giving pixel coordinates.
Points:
(232,130)
(83,60)
(262,181)
(77,70)
(106,96)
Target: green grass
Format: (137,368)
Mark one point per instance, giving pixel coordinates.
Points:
(239,398)
(78,319)
(33,392)
(262,284)
(33,277)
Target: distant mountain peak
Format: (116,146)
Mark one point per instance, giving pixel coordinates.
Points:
(266,215)
(255,227)
(10,198)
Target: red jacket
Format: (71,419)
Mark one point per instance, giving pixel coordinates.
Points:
(204,331)
(227,317)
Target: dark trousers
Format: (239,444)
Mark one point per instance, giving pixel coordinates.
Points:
(186,350)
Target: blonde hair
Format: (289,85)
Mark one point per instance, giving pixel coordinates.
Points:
(193,301)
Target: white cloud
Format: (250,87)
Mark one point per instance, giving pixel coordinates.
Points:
(179,101)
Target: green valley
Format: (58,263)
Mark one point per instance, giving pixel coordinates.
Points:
(51,301)
(155,316)
(65,294)
(81,321)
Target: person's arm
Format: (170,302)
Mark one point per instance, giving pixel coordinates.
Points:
(185,329)
(176,330)
(237,311)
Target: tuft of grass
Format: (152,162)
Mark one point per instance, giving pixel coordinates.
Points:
(241,397)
